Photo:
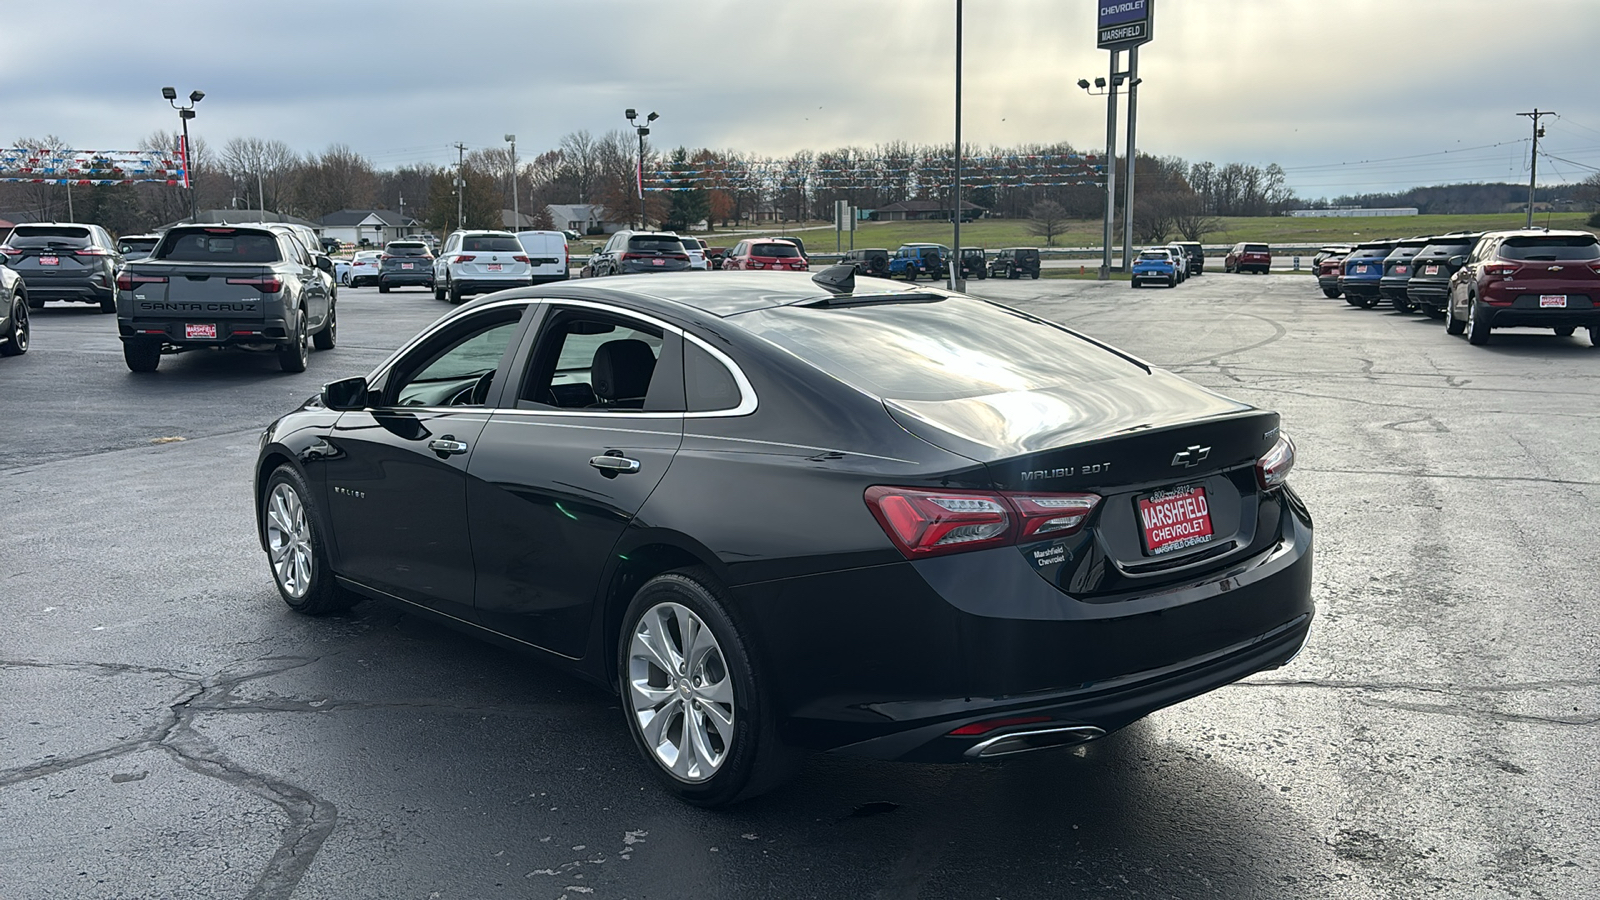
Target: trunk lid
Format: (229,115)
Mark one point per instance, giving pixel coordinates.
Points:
(194,288)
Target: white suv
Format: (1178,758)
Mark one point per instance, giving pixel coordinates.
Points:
(479,262)
(696,249)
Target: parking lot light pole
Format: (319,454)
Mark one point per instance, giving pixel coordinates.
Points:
(516,211)
(643,130)
(1133,160)
(1101,87)
(185,113)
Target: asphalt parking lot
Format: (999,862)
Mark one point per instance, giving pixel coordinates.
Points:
(170,729)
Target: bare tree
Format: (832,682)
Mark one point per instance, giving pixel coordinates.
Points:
(580,157)
(1048,219)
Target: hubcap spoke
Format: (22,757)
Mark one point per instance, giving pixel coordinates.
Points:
(680,691)
(289,541)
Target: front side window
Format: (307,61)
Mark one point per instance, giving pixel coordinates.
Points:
(597,362)
(457,368)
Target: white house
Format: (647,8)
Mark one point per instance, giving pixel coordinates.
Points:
(580,217)
(374,227)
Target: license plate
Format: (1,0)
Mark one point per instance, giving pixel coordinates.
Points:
(49,260)
(1430,270)
(1556,301)
(1175,519)
(407,266)
(494,267)
(1399,270)
(209,332)
(1362,270)
(658,262)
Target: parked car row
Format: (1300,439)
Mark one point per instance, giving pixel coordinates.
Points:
(1475,281)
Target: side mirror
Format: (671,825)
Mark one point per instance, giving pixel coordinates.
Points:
(1457,262)
(345,394)
(325,264)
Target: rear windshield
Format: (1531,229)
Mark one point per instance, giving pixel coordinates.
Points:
(1368,253)
(366,254)
(942,349)
(407,250)
(488,243)
(48,236)
(1193,248)
(1154,254)
(655,244)
(1404,252)
(781,251)
(1446,250)
(222,245)
(1553,247)
(1255,248)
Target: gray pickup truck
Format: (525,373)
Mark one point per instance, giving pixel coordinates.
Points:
(210,286)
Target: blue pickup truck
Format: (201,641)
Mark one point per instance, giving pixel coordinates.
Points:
(914,260)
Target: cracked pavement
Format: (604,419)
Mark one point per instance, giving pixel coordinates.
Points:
(168,728)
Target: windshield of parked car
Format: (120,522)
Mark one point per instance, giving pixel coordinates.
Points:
(1552,247)
(399,249)
(219,245)
(941,349)
(488,243)
(655,244)
(65,237)
(778,251)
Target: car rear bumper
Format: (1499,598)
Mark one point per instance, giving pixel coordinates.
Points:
(1328,281)
(1367,288)
(885,662)
(1425,294)
(229,333)
(1513,317)
(1393,288)
(89,288)
(488,285)
(393,278)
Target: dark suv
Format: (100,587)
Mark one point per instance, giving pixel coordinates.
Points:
(633,252)
(1197,256)
(1535,279)
(64,261)
(137,246)
(974,263)
(403,263)
(1397,272)
(872,261)
(1429,287)
(1015,262)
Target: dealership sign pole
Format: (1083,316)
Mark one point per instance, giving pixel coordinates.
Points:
(1123,25)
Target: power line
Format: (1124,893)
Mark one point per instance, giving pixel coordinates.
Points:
(1364,162)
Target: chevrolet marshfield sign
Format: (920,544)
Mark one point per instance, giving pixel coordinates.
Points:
(1124,23)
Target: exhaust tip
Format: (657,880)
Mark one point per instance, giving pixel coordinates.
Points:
(1027,741)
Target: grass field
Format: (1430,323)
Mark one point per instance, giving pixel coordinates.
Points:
(996,233)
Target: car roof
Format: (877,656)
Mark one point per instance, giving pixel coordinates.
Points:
(719,294)
(1537,232)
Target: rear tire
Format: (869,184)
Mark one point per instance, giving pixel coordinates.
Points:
(109,304)
(1331,293)
(293,353)
(1477,326)
(1452,325)
(1594,335)
(329,335)
(1565,331)
(142,354)
(1401,306)
(453,291)
(35,304)
(699,760)
(296,549)
(17,335)
(383,288)
(438,291)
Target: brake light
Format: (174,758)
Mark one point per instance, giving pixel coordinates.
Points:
(1501,269)
(9,250)
(520,259)
(463,258)
(635,256)
(266,284)
(126,281)
(384,257)
(1593,267)
(92,251)
(1273,468)
(924,523)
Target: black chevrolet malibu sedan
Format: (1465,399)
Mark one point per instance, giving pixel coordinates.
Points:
(778,513)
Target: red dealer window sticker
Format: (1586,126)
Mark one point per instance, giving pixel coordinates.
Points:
(1175,519)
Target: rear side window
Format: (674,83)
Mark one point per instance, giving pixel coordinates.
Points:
(655,245)
(1555,247)
(65,237)
(779,251)
(220,245)
(708,384)
(942,349)
(490,244)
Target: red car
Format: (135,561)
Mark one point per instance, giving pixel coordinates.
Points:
(1529,278)
(767,253)
(1248,258)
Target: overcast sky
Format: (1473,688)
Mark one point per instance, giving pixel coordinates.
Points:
(1322,87)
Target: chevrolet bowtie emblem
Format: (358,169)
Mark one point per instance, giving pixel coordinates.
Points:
(1191,457)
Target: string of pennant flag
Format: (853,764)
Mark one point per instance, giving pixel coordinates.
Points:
(1016,170)
(33,165)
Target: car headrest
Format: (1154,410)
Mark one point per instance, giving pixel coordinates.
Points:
(621,369)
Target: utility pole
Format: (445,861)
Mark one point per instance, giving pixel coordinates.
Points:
(516,212)
(1111,167)
(261,191)
(461,183)
(1533,158)
(1133,158)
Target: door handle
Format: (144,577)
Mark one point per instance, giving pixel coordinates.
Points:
(447,445)
(614,464)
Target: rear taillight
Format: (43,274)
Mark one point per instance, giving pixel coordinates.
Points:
(92,251)
(1595,267)
(924,523)
(384,257)
(266,284)
(1501,269)
(1273,468)
(682,256)
(520,259)
(8,250)
(126,282)
(464,258)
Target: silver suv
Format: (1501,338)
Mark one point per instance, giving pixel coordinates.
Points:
(479,262)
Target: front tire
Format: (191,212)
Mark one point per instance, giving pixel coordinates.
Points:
(695,703)
(296,551)
(293,353)
(142,354)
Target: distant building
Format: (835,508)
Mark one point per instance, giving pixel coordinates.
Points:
(581,217)
(1350,212)
(370,227)
(926,210)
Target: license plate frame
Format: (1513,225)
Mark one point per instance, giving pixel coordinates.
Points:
(494,267)
(1552,301)
(1430,270)
(408,265)
(1174,519)
(199,331)
(49,260)
(1362,270)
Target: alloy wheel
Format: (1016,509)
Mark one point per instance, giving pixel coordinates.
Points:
(681,692)
(289,541)
(19,326)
